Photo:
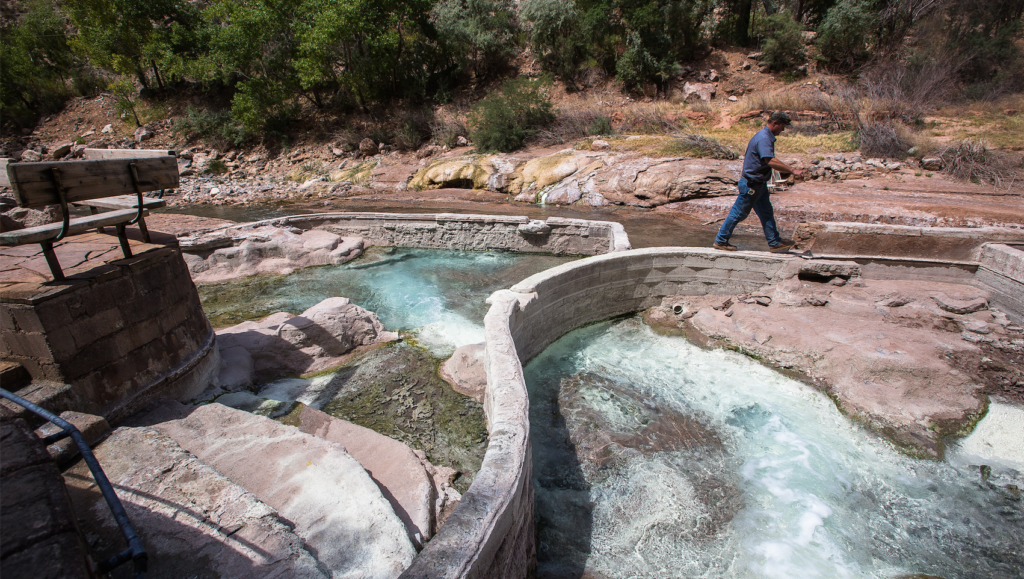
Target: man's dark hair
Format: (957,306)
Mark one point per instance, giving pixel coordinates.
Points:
(780,117)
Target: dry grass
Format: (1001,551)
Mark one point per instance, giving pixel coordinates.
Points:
(841,142)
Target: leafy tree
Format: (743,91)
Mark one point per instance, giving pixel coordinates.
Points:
(557,36)
(784,47)
(38,70)
(124,89)
(482,31)
(130,36)
(847,34)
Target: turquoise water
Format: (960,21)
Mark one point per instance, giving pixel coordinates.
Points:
(766,480)
(438,296)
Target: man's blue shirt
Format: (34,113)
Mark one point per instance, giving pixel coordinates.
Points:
(760,147)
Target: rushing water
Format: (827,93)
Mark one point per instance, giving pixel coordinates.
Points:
(436,297)
(654,458)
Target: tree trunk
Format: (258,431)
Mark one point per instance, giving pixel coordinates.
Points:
(743,22)
(141,73)
(156,75)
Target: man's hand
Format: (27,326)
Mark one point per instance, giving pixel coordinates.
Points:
(781,167)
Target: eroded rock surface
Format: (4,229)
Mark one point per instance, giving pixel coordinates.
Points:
(334,505)
(396,468)
(285,343)
(191,518)
(236,253)
(886,350)
(593,178)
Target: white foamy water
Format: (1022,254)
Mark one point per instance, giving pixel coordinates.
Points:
(818,496)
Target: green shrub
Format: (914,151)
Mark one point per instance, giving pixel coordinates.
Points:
(217,126)
(503,121)
(601,126)
(784,48)
(847,33)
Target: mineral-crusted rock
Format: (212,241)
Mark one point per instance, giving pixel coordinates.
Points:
(882,349)
(600,145)
(30,156)
(543,171)
(285,343)
(391,464)
(265,249)
(647,182)
(192,519)
(534,227)
(334,504)
(470,172)
(931,163)
(466,371)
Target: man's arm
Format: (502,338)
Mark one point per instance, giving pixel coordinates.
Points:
(781,167)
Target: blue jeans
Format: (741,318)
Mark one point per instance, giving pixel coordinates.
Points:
(756,198)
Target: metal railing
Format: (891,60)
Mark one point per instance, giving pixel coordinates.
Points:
(135,551)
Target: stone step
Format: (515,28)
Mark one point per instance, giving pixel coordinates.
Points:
(193,521)
(13,376)
(56,397)
(333,503)
(38,537)
(396,469)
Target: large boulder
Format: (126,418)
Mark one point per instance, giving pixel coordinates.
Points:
(466,371)
(698,91)
(240,253)
(367,147)
(284,343)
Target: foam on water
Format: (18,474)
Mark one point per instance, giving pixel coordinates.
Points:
(820,496)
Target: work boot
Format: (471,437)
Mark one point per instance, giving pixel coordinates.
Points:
(725,246)
(784,247)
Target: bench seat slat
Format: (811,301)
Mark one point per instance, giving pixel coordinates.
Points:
(77,225)
(123,202)
(83,180)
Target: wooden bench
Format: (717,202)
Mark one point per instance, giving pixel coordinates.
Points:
(71,182)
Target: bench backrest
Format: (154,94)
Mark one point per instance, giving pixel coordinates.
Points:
(93,154)
(34,184)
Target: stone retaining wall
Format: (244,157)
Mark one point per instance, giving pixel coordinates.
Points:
(125,332)
(945,245)
(459,232)
(1001,272)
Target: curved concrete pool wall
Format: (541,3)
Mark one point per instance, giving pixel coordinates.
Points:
(490,534)
(555,235)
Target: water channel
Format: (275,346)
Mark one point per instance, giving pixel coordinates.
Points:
(653,457)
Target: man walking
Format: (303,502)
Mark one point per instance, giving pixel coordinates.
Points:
(758,162)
